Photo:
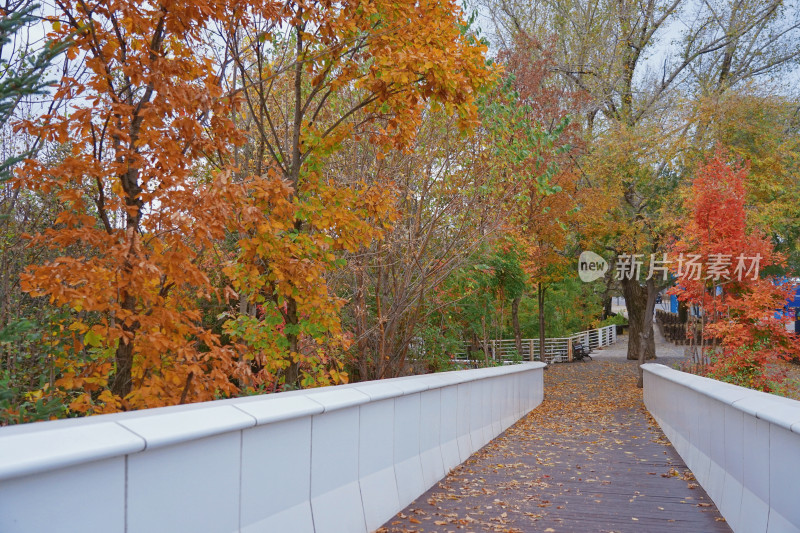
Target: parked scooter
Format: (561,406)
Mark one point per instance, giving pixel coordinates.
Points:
(580,352)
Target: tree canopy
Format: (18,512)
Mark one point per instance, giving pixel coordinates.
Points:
(211,199)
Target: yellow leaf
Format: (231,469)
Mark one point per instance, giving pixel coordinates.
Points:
(78,326)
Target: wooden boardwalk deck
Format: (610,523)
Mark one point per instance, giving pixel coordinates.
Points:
(589,459)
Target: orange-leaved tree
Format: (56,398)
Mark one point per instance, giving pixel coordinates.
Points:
(322,78)
(548,194)
(142,104)
(717,264)
(153,185)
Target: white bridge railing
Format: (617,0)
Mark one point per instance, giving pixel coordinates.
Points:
(556,350)
(340,459)
(742,445)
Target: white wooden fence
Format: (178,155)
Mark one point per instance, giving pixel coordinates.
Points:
(556,350)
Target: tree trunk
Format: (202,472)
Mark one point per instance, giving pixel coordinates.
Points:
(122,384)
(646,333)
(485,340)
(606,306)
(290,316)
(515,323)
(640,317)
(360,321)
(683,312)
(703,338)
(540,301)
(293,174)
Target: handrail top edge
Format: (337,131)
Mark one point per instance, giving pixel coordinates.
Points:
(778,410)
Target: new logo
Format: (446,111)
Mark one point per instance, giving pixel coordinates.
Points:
(591,266)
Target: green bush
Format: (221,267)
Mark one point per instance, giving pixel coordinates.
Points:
(613,320)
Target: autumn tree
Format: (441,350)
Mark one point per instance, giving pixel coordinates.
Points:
(313,80)
(448,205)
(135,223)
(545,208)
(719,269)
(760,127)
(603,48)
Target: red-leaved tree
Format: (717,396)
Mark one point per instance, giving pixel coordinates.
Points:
(718,264)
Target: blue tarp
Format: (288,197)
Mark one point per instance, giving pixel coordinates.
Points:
(795,302)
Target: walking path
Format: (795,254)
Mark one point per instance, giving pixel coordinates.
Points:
(589,459)
(668,353)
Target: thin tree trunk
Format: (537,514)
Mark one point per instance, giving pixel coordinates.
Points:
(290,316)
(293,371)
(360,320)
(515,323)
(683,312)
(122,383)
(606,306)
(702,337)
(540,290)
(485,340)
(379,318)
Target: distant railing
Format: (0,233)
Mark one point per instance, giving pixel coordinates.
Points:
(672,327)
(556,350)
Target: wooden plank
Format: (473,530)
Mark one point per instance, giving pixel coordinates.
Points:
(588,459)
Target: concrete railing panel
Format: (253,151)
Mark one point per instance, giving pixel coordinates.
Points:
(754,513)
(376,462)
(193,486)
(734,456)
(407,462)
(430,438)
(277,480)
(67,500)
(784,479)
(335,493)
(464,405)
(487,405)
(448,431)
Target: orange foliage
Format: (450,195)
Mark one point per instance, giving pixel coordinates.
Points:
(549,198)
(147,193)
(358,81)
(135,221)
